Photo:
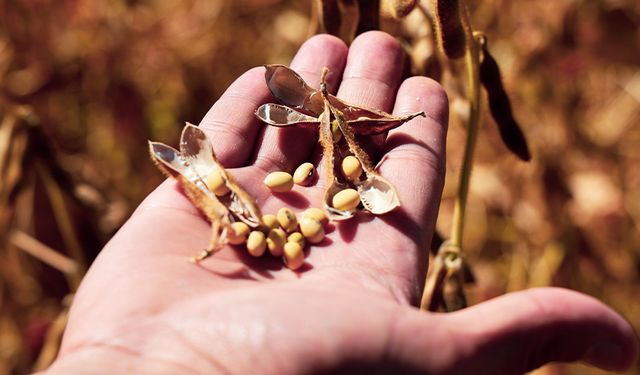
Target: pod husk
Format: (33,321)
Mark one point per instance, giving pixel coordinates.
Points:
(305,107)
(302,106)
(449,28)
(189,167)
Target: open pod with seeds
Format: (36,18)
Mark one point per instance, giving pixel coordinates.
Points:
(338,123)
(207,184)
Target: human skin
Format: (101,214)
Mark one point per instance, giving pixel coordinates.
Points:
(143,308)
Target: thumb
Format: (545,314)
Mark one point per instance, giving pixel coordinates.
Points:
(517,333)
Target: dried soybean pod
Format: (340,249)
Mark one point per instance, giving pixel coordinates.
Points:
(293,255)
(369,16)
(449,27)
(399,8)
(304,174)
(500,106)
(329,16)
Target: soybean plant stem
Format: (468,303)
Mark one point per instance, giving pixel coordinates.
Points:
(472,62)
(451,251)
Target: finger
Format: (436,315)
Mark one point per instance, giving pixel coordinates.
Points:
(517,333)
(371,77)
(415,153)
(285,149)
(373,71)
(231,124)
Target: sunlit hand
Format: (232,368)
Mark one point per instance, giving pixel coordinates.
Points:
(143,308)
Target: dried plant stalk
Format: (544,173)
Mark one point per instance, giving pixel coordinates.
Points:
(30,245)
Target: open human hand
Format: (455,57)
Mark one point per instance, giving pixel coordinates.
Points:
(143,308)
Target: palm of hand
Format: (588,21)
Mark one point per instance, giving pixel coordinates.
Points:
(143,301)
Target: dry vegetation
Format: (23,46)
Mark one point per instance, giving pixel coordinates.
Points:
(100,78)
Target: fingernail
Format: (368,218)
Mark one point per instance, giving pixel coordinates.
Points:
(607,354)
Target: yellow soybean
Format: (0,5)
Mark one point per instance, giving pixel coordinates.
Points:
(317,214)
(279,182)
(311,229)
(296,237)
(287,219)
(256,243)
(216,183)
(346,200)
(293,255)
(275,241)
(238,233)
(335,131)
(269,221)
(351,168)
(303,174)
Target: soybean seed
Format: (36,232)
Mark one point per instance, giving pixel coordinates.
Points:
(269,221)
(304,174)
(351,168)
(238,233)
(336,133)
(311,229)
(346,200)
(276,240)
(279,182)
(293,255)
(216,183)
(256,243)
(287,219)
(317,214)
(296,237)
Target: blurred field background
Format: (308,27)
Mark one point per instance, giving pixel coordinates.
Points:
(84,84)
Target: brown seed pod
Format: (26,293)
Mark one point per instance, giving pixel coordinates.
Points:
(369,16)
(398,8)
(302,108)
(190,167)
(500,106)
(449,28)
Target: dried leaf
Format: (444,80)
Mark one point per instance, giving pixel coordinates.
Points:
(281,116)
(500,106)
